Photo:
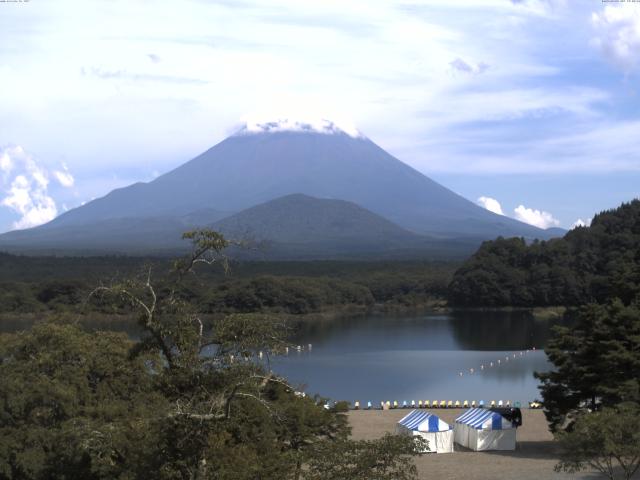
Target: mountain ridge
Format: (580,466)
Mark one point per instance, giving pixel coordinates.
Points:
(243,171)
(252,168)
(292,227)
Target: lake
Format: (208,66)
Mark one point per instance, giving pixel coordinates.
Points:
(383,357)
(420,357)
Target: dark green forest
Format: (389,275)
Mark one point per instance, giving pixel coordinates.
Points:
(50,284)
(589,264)
(591,397)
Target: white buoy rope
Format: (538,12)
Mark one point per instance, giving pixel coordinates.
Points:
(298,348)
(498,362)
(262,355)
(388,405)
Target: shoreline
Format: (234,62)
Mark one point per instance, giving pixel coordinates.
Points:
(351,311)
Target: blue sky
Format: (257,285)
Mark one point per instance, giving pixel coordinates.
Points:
(531,105)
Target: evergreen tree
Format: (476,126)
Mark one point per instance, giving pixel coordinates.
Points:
(596,362)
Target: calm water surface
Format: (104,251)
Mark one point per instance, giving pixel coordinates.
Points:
(420,357)
(385,357)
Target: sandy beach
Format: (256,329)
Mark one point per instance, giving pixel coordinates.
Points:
(534,458)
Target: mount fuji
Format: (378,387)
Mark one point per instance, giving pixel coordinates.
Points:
(263,162)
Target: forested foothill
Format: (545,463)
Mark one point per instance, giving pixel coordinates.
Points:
(589,264)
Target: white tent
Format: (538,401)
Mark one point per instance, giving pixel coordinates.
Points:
(423,424)
(480,429)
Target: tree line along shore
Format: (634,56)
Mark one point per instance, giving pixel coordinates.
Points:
(586,265)
(41,285)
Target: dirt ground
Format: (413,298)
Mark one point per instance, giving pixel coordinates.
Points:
(533,459)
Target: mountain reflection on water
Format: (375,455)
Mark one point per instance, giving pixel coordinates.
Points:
(460,330)
(387,357)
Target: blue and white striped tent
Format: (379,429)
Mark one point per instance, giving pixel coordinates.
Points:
(438,433)
(481,429)
(424,422)
(484,419)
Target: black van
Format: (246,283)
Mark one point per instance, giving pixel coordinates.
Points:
(513,414)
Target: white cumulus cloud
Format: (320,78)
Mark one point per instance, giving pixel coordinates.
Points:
(491,204)
(24,187)
(297,122)
(581,223)
(537,218)
(5,163)
(618,34)
(64,177)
